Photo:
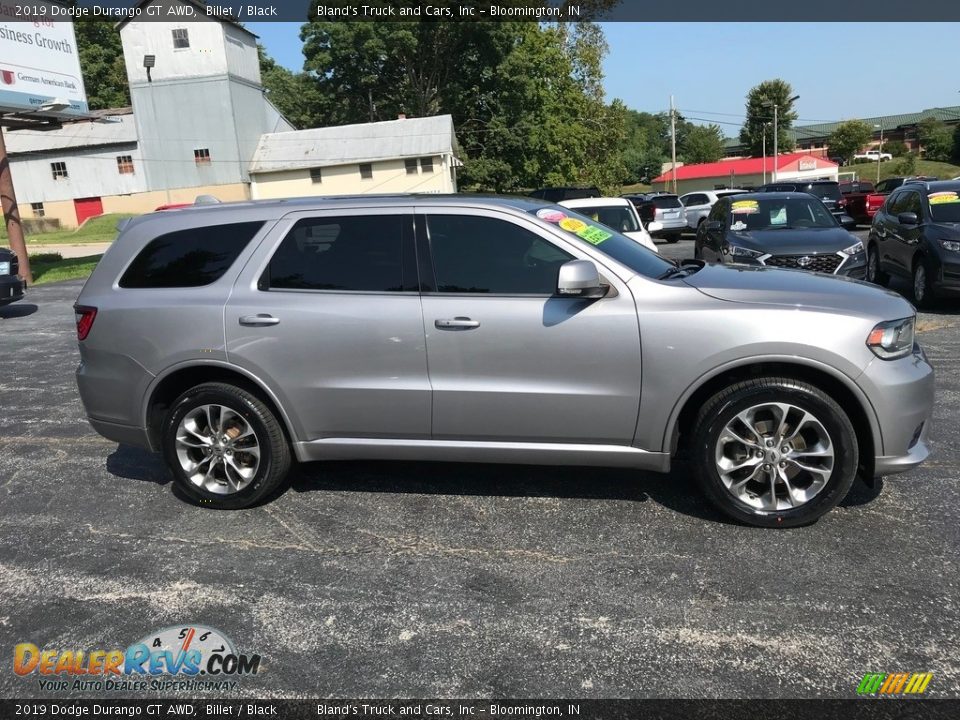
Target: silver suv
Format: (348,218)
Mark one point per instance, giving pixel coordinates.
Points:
(234,338)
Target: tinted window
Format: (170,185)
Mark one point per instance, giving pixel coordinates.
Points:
(945,206)
(897,203)
(763,213)
(666,201)
(189,258)
(693,200)
(364,253)
(824,191)
(913,204)
(608,241)
(620,218)
(474,254)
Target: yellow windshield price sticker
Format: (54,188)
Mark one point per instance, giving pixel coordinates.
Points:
(942,198)
(572,225)
(745,206)
(594,235)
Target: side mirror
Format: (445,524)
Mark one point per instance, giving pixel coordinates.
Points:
(580,278)
(908,218)
(654,226)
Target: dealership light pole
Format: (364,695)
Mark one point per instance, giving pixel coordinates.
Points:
(776,145)
(879,154)
(673,145)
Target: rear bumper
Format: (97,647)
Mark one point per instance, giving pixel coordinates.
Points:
(124,434)
(671,227)
(11,289)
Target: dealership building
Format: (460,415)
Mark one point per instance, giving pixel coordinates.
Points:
(201,123)
(747,172)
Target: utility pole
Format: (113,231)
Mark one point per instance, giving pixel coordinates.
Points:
(673,145)
(776,147)
(11,213)
(763,141)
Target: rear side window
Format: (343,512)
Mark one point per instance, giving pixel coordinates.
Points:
(189,258)
(366,253)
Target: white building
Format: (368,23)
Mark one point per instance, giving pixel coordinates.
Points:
(404,155)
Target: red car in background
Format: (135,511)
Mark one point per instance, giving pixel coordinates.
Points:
(863,202)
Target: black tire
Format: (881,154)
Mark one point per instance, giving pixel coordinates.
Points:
(726,404)
(673,238)
(275,456)
(874,274)
(922,286)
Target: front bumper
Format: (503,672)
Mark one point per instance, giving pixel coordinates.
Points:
(902,395)
(11,289)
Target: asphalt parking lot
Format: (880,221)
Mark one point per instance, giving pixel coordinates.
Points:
(437,580)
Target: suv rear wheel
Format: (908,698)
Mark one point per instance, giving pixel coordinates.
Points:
(774,452)
(224,446)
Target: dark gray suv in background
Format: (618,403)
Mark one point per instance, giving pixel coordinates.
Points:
(234,338)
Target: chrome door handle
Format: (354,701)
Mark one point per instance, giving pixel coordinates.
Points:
(261,320)
(457,323)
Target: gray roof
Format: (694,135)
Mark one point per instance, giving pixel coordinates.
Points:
(347,144)
(112,127)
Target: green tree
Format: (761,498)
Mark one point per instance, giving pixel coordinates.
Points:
(896,148)
(295,95)
(848,139)
(760,101)
(702,144)
(101,63)
(935,139)
(956,143)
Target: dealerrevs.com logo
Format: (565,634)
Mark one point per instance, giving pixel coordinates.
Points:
(894,683)
(189,658)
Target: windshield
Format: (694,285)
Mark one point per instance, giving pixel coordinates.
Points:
(585,229)
(618,217)
(779,213)
(945,206)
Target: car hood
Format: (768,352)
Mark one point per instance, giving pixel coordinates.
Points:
(798,289)
(951,228)
(801,241)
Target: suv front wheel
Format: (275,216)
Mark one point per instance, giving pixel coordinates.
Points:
(224,446)
(774,452)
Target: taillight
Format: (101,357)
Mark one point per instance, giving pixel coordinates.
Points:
(85,317)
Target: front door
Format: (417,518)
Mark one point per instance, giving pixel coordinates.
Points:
(508,359)
(328,311)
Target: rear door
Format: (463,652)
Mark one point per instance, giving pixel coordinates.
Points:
(509,359)
(328,314)
(907,237)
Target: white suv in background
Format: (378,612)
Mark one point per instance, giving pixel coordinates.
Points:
(618,213)
(698,204)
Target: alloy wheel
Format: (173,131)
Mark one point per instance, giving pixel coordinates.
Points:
(218,449)
(774,456)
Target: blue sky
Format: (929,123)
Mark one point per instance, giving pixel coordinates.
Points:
(840,70)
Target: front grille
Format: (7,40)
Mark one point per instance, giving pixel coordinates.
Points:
(827,263)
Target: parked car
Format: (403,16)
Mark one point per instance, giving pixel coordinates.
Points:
(477,329)
(787,230)
(855,194)
(874,155)
(11,285)
(664,208)
(618,213)
(828,191)
(878,197)
(697,204)
(556,194)
(916,235)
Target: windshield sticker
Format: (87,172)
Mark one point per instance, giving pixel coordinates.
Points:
(745,207)
(779,216)
(594,235)
(550,215)
(572,225)
(738,226)
(942,198)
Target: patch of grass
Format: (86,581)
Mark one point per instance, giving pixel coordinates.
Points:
(636,188)
(50,267)
(96,230)
(893,168)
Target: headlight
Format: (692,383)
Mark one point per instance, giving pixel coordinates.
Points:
(893,339)
(857,247)
(951,245)
(738,251)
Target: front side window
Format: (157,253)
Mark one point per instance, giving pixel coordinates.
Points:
(366,253)
(189,258)
(181,39)
(475,254)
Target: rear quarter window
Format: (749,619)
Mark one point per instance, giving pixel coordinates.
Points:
(189,258)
